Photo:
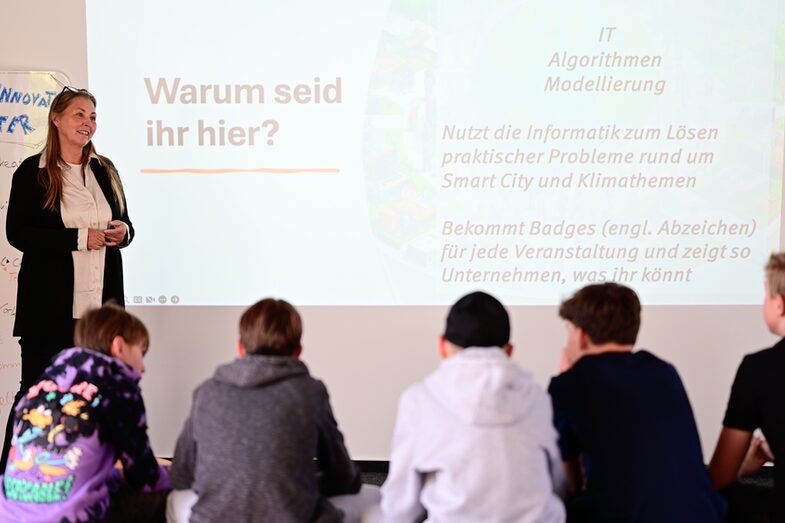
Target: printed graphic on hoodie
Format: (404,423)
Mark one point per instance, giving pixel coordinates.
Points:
(43,458)
(85,414)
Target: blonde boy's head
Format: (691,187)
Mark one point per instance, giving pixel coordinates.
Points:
(775,274)
(774,301)
(97,329)
(271,327)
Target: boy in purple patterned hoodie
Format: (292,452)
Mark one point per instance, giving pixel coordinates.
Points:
(84,414)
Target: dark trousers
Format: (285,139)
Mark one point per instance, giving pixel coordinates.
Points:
(128,505)
(751,500)
(37,354)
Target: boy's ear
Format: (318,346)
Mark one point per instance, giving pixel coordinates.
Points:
(780,305)
(241,352)
(583,339)
(508,349)
(298,351)
(117,348)
(443,352)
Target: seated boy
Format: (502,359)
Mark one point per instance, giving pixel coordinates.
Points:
(84,414)
(626,430)
(756,401)
(474,441)
(246,452)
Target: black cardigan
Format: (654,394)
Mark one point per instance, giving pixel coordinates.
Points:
(45,293)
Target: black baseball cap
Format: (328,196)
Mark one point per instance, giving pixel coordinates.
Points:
(478,320)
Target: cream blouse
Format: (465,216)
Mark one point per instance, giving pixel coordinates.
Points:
(84,206)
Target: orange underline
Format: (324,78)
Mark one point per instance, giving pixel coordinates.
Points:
(261,170)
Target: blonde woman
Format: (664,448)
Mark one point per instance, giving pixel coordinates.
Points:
(67,214)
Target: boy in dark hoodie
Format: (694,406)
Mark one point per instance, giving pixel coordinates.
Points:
(246,452)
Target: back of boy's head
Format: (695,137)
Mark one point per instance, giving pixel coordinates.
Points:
(775,274)
(97,329)
(271,328)
(478,320)
(606,312)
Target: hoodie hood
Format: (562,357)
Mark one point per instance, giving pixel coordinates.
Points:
(482,386)
(93,362)
(255,371)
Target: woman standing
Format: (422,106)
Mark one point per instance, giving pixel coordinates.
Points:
(67,214)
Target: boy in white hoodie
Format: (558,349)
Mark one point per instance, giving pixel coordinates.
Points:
(474,441)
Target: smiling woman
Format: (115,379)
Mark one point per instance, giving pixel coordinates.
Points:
(67,214)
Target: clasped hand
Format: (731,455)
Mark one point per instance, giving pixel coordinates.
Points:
(113,236)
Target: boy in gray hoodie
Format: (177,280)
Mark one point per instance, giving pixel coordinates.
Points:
(474,441)
(247,450)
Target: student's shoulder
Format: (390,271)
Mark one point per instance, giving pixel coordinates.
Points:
(567,389)
(582,371)
(563,381)
(766,356)
(652,366)
(315,385)
(203,388)
(763,364)
(648,357)
(415,390)
(588,369)
(644,360)
(413,397)
(97,366)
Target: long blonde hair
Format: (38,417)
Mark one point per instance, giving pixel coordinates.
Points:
(51,176)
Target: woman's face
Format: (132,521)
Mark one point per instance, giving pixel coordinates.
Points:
(76,124)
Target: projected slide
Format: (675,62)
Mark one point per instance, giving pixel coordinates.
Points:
(402,153)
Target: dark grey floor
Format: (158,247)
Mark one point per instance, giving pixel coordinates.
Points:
(373,472)
(374,478)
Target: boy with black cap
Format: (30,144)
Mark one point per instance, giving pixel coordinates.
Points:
(474,440)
